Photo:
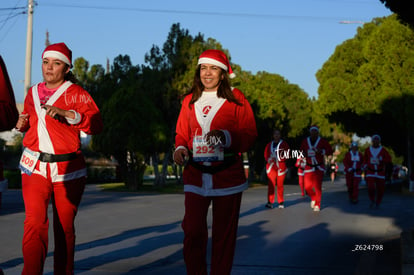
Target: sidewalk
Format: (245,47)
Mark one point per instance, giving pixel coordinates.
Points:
(130,233)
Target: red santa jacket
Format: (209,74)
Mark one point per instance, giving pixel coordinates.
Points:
(314,153)
(353,163)
(53,136)
(276,155)
(375,161)
(239,125)
(8,110)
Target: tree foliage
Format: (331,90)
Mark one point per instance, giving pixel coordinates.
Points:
(403,8)
(367,84)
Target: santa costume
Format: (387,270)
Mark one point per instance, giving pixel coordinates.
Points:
(276,154)
(376,159)
(214,174)
(315,152)
(53,167)
(353,161)
(300,165)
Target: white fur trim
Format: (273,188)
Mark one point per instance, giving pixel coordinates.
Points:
(314,128)
(75,120)
(58,55)
(206,60)
(217,191)
(180,147)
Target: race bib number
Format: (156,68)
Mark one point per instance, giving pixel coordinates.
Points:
(28,161)
(202,152)
(375,161)
(355,158)
(311,153)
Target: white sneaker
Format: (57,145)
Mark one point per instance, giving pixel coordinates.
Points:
(316,209)
(312,204)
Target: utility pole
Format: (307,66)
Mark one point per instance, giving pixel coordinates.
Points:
(29,41)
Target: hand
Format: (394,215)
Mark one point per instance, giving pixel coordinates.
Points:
(22,121)
(56,112)
(180,156)
(215,137)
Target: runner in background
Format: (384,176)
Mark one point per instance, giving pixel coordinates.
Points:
(276,153)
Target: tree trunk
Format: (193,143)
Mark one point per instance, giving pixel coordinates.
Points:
(165,162)
(155,162)
(135,171)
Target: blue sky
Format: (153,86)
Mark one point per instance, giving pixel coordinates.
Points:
(291,38)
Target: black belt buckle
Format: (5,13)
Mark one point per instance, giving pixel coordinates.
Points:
(45,157)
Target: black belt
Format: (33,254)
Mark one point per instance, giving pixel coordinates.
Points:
(313,165)
(228,161)
(373,170)
(45,157)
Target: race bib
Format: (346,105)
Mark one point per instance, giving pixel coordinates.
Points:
(28,161)
(202,152)
(311,153)
(375,161)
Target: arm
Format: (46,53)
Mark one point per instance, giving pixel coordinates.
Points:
(183,134)
(245,134)
(82,113)
(23,122)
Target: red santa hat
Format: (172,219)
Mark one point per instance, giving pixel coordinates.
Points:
(376,137)
(354,144)
(314,127)
(59,51)
(218,58)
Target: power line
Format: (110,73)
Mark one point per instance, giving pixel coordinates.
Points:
(15,8)
(6,20)
(11,15)
(192,12)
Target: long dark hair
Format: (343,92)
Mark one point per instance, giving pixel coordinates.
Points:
(224,89)
(71,77)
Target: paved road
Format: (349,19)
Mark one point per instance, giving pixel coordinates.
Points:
(128,233)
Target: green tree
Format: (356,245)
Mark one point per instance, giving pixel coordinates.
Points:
(132,122)
(402,8)
(367,84)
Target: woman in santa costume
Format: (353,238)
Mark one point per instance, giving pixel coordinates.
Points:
(53,167)
(215,125)
(353,161)
(376,159)
(276,153)
(315,149)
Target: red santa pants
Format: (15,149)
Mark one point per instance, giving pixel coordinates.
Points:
(352,184)
(376,189)
(301,180)
(66,196)
(225,213)
(313,186)
(275,179)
